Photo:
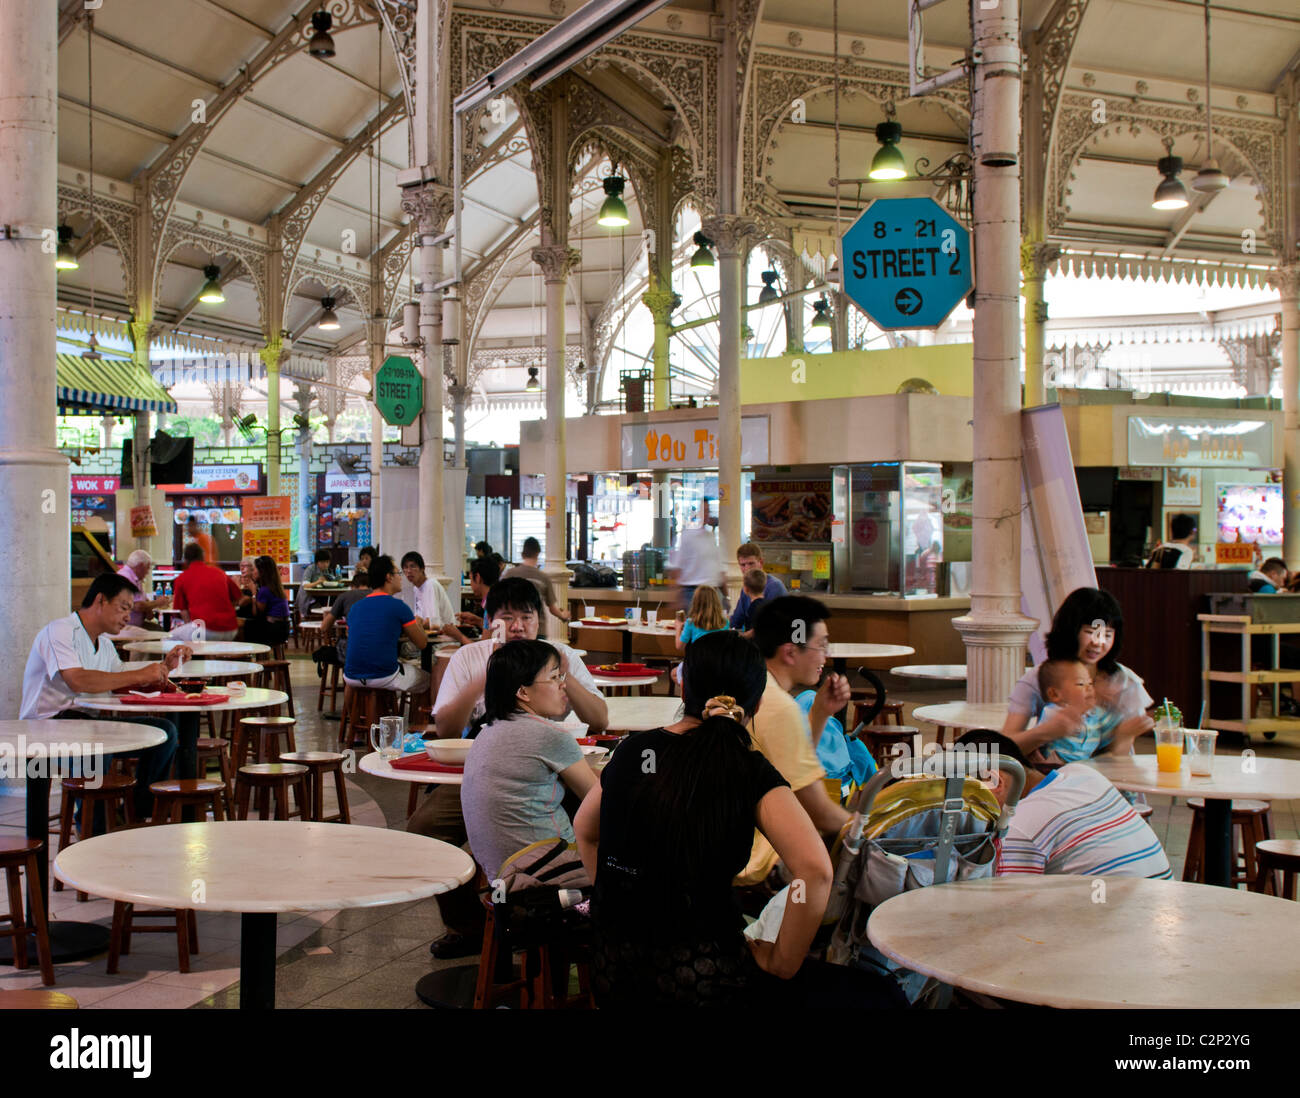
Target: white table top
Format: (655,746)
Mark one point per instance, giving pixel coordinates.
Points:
(943,672)
(205,669)
(659,629)
(200,648)
(254,698)
(1151,944)
(609,681)
(383,768)
(75,739)
(854,651)
(963,715)
(633,714)
(1270,780)
(263,865)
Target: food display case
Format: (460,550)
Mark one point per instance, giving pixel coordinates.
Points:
(887,528)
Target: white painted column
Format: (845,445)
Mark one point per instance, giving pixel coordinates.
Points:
(1288,283)
(995,632)
(33,474)
(377,332)
(303,397)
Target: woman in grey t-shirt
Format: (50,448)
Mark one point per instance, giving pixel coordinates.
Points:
(1088,627)
(522,762)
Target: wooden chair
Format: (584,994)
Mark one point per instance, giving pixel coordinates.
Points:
(178,921)
(275,676)
(112,790)
(881,739)
(17,855)
(268,779)
(362,707)
(320,763)
(263,738)
(534,983)
(1251,825)
(1278,855)
(171,797)
(216,748)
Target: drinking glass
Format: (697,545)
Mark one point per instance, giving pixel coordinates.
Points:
(1200,751)
(396,731)
(381,740)
(1169,747)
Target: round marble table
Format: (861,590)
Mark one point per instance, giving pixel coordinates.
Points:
(1150,944)
(207,669)
(623,682)
(938,672)
(852,650)
(186,718)
(61,742)
(259,868)
(383,768)
(199,648)
(633,714)
(1242,776)
(962,715)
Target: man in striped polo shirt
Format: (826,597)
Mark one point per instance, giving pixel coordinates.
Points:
(1071,821)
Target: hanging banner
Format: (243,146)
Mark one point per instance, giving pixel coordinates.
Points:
(267,527)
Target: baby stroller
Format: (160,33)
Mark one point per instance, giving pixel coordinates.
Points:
(915,823)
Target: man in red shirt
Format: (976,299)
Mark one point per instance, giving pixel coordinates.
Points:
(205,591)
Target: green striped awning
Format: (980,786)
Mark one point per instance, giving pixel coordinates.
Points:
(116,384)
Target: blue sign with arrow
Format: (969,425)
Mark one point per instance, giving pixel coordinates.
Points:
(906,263)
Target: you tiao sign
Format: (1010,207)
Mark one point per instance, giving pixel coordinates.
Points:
(1225,443)
(690,444)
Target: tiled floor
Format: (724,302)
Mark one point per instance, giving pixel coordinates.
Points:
(373,957)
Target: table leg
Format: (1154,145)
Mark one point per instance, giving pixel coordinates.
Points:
(69,940)
(257,960)
(627,645)
(187,754)
(1219,854)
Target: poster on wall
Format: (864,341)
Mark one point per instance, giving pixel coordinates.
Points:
(1182,487)
(142,522)
(266,527)
(790,510)
(1250,513)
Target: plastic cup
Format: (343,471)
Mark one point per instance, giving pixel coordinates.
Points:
(651,617)
(634,613)
(1200,750)
(588,611)
(1169,748)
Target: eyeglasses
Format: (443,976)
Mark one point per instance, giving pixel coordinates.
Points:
(558,679)
(823,648)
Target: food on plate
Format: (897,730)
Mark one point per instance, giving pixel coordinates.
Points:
(241,480)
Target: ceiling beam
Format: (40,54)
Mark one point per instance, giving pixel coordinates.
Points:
(70,14)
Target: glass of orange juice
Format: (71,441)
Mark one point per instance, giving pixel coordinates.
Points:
(1169,747)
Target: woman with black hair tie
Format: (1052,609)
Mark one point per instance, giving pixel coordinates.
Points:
(667,829)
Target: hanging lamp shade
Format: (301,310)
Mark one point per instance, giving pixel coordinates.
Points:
(768,293)
(613,211)
(65,259)
(821,314)
(888,163)
(211,293)
(1170,193)
(329,321)
(1210,178)
(703,257)
(320,44)
(533,385)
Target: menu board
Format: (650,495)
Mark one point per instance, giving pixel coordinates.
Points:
(1250,512)
(791,510)
(266,527)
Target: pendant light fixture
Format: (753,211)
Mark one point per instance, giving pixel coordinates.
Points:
(533,386)
(768,293)
(320,44)
(821,314)
(703,256)
(613,212)
(1170,193)
(92,352)
(1210,179)
(65,259)
(329,321)
(888,163)
(211,294)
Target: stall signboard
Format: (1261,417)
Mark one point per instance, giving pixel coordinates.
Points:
(237,479)
(1203,443)
(791,510)
(906,263)
(94,486)
(338,482)
(1233,552)
(266,527)
(690,444)
(399,391)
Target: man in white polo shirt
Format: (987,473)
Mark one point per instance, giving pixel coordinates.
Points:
(74,655)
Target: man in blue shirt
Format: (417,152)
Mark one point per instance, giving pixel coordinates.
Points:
(376,626)
(749,556)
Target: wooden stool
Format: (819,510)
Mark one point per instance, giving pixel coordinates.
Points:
(180,922)
(219,749)
(15,856)
(1278,855)
(1143,810)
(275,674)
(172,796)
(113,789)
(260,736)
(1250,821)
(268,778)
(321,763)
(36,1000)
(330,681)
(362,707)
(535,984)
(880,739)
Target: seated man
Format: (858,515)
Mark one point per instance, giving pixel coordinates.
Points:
(791,634)
(73,655)
(376,626)
(514,607)
(750,558)
(483,573)
(532,550)
(1070,821)
(432,603)
(204,592)
(1270,579)
(318,572)
(136,570)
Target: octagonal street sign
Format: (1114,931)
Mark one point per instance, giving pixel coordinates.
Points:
(906,262)
(399,391)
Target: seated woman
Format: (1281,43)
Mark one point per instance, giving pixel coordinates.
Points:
(667,829)
(1088,628)
(269,623)
(522,762)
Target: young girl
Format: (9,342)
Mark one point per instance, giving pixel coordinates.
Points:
(705,616)
(270,621)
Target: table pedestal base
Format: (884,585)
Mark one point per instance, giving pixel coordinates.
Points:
(1220,857)
(69,941)
(449,988)
(257,960)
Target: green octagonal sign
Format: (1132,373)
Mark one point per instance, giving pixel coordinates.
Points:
(399,391)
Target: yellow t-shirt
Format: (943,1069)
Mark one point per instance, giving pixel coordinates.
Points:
(781,732)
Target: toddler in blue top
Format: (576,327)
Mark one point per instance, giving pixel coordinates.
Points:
(1066,685)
